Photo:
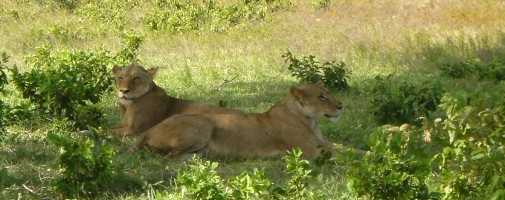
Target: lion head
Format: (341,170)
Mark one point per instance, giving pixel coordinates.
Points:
(314,100)
(133,81)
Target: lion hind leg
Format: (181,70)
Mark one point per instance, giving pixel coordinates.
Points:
(181,135)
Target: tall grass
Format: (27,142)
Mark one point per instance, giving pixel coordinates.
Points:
(243,66)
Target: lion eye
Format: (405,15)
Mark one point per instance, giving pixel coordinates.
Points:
(136,78)
(323,98)
(120,78)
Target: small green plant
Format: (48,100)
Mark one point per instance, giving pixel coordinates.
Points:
(321,4)
(245,186)
(494,70)
(309,70)
(87,166)
(7,179)
(457,156)
(300,171)
(3,81)
(61,83)
(458,69)
(201,181)
(112,14)
(22,112)
(398,168)
(399,103)
(69,5)
(70,83)
(129,50)
(177,17)
(471,135)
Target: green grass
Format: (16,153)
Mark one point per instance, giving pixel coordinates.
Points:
(408,38)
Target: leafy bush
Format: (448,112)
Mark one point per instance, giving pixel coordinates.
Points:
(458,69)
(60,83)
(128,54)
(201,181)
(457,156)
(398,168)
(21,112)
(112,13)
(309,70)
(245,186)
(7,179)
(10,113)
(321,4)
(494,70)
(70,83)
(86,166)
(3,82)
(177,17)
(402,103)
(300,170)
(471,135)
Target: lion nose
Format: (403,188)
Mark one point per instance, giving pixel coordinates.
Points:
(125,91)
(340,107)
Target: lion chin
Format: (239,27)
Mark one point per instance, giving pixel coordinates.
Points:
(332,118)
(286,125)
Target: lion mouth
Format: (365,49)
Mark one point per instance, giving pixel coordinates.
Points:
(124,97)
(331,116)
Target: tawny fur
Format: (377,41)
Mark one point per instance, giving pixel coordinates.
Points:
(143,104)
(288,124)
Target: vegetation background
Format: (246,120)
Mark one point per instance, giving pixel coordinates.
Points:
(232,51)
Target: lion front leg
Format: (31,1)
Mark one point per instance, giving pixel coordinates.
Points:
(121,130)
(128,126)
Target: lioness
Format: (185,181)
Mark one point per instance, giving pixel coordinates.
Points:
(288,124)
(143,104)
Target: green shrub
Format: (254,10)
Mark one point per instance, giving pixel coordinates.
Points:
(309,70)
(128,54)
(398,168)
(3,82)
(398,103)
(471,135)
(321,4)
(6,179)
(177,17)
(494,70)
(300,171)
(457,156)
(201,181)
(458,69)
(22,112)
(87,166)
(70,83)
(245,186)
(112,13)
(59,83)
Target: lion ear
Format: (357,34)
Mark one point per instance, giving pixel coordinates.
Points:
(320,83)
(116,69)
(297,94)
(152,72)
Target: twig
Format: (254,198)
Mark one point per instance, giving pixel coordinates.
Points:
(29,190)
(218,88)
